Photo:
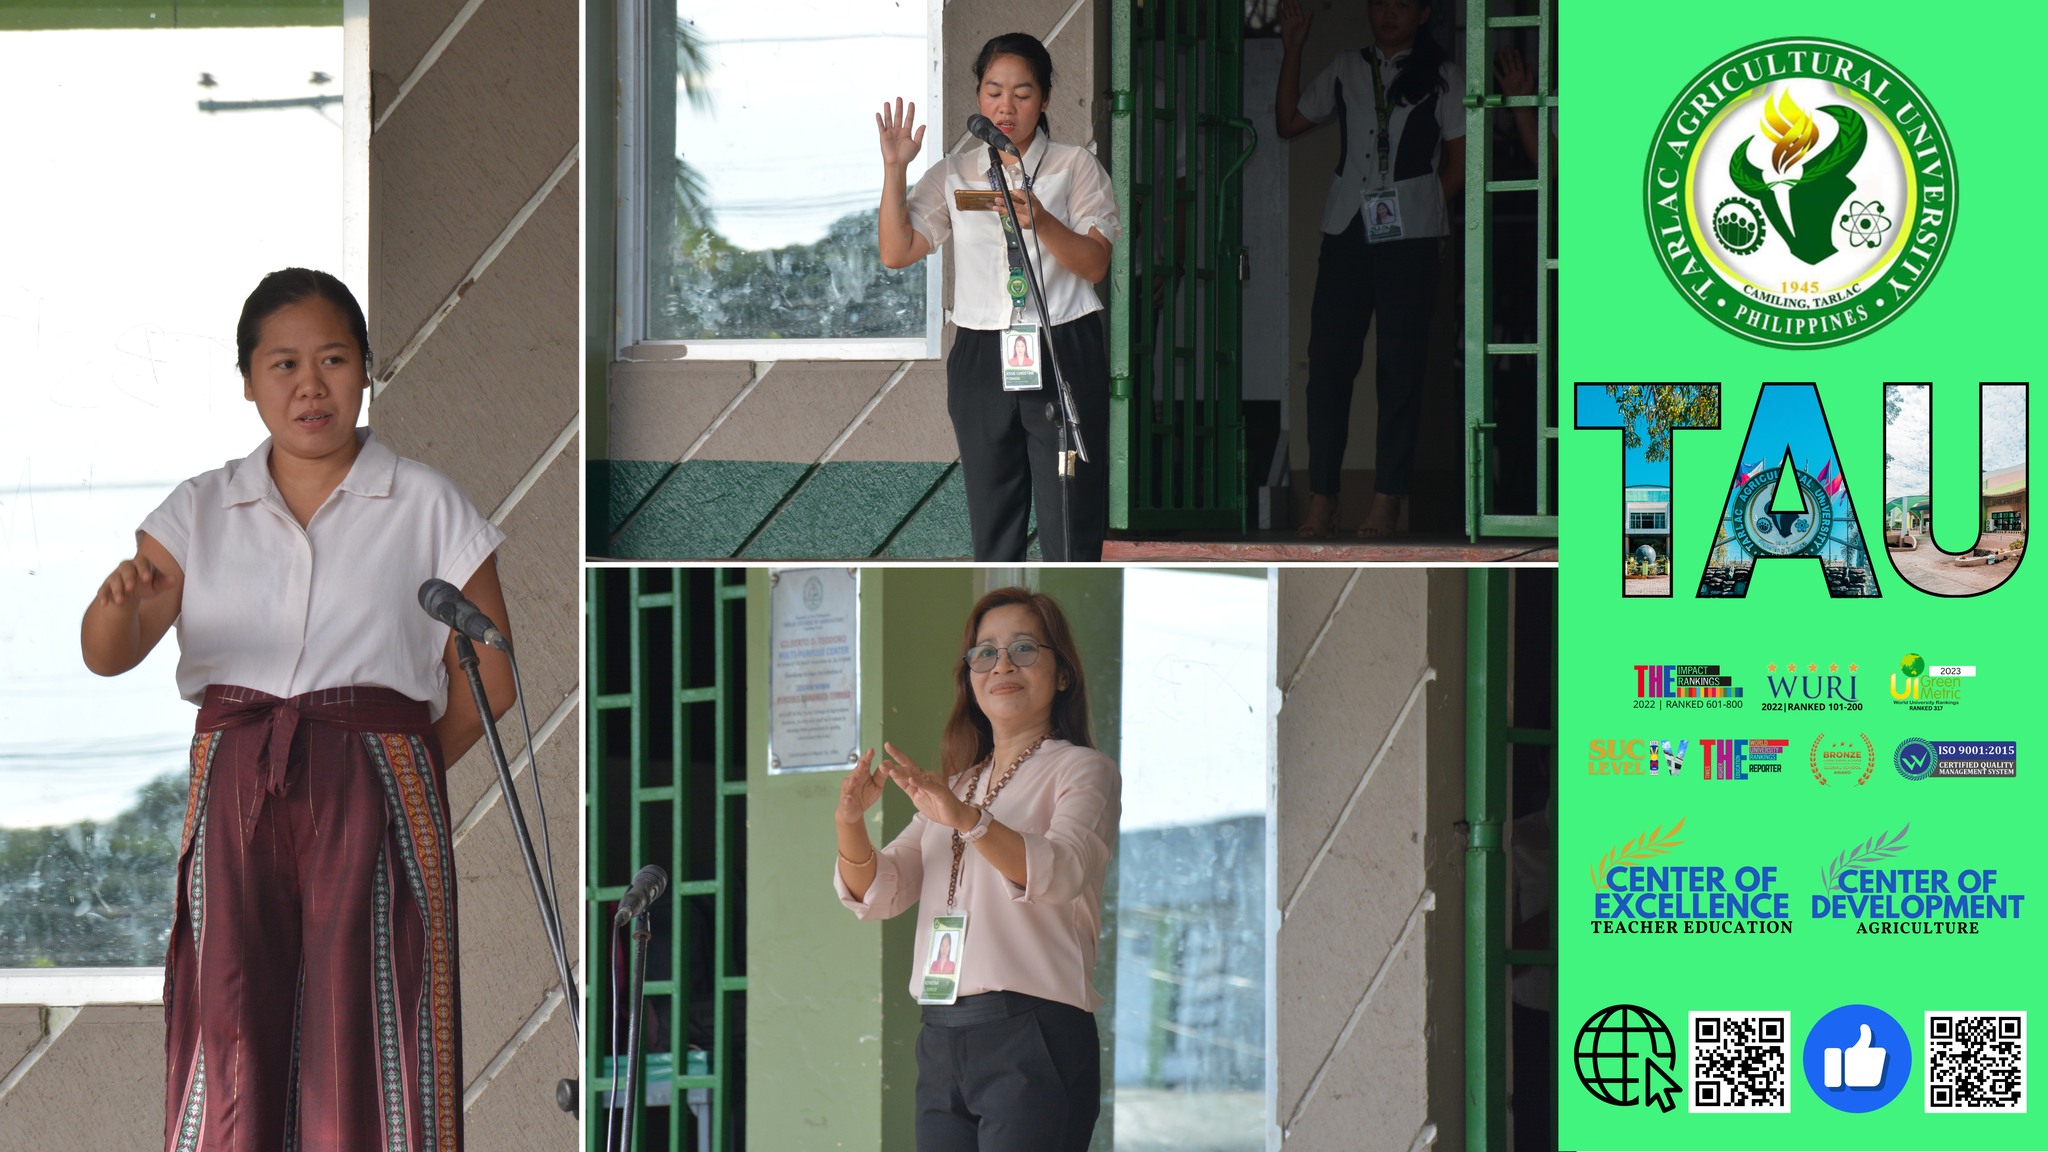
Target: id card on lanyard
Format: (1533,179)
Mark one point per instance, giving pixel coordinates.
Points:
(1381,206)
(945,951)
(1019,348)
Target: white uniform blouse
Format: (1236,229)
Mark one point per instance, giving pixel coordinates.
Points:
(1069,183)
(1345,90)
(287,610)
(1040,938)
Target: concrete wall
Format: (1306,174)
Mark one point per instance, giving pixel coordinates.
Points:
(808,459)
(473,227)
(473,220)
(1369,953)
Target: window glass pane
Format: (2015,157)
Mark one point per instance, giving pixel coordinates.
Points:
(142,221)
(764,176)
(1191,865)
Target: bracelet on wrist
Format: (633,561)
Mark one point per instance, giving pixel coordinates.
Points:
(851,863)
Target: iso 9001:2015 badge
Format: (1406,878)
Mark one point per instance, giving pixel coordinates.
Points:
(1800,193)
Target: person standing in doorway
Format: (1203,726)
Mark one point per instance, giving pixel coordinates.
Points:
(1401,160)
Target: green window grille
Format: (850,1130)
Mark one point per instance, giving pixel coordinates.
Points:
(1510,352)
(1178,145)
(667,785)
(1510,773)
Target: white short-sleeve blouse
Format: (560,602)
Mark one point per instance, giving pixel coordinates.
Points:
(288,610)
(1069,183)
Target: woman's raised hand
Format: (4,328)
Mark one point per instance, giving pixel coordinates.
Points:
(929,792)
(1294,22)
(136,579)
(899,144)
(859,791)
(1513,75)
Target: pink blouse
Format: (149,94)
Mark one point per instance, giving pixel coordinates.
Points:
(1040,938)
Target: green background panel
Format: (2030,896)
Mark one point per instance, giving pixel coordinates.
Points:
(1624,323)
(706,509)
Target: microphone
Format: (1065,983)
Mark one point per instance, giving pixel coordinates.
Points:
(648,885)
(444,602)
(986,131)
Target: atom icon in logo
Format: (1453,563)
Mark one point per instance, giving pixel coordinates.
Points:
(1865,224)
(1608,1051)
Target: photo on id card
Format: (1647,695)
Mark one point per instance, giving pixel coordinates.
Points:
(1020,358)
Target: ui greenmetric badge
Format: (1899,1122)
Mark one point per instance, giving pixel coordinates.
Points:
(1800,193)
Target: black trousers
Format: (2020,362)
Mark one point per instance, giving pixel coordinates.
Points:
(1026,1082)
(1008,447)
(1354,280)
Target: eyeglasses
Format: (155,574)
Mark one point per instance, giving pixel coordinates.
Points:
(1023,654)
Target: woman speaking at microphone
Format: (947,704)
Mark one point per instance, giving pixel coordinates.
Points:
(998,396)
(1004,862)
(310,983)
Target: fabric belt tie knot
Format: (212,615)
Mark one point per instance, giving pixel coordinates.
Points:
(357,708)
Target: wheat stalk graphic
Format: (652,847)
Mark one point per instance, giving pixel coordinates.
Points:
(1655,842)
(1873,848)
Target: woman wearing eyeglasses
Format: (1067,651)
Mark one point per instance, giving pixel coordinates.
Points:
(1014,834)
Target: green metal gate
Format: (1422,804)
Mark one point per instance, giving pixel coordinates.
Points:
(1510,712)
(1178,145)
(1512,457)
(667,785)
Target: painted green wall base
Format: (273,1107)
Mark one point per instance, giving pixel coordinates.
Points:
(848,508)
(617,488)
(705,509)
(770,510)
(16,15)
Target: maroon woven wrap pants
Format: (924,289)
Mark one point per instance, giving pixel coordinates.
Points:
(310,987)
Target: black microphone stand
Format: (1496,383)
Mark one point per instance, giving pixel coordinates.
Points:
(550,914)
(1068,419)
(636,983)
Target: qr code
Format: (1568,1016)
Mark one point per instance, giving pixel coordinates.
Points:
(1977,1062)
(1738,1062)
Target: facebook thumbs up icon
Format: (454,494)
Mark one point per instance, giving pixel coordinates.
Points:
(1857,1058)
(1865,1064)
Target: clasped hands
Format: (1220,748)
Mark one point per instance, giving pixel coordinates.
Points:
(863,786)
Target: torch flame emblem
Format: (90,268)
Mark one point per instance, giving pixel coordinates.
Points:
(1790,129)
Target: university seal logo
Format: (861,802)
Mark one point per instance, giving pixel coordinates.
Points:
(1800,193)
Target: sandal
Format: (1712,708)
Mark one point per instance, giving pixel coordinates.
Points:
(1321,519)
(1383,522)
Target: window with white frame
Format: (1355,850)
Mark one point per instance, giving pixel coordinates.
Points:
(751,179)
(117,323)
(1646,521)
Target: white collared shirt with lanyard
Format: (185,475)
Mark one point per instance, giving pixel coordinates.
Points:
(1356,87)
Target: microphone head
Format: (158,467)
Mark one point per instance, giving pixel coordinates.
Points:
(985,130)
(438,597)
(655,880)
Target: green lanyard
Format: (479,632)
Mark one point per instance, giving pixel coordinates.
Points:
(1379,104)
(1013,244)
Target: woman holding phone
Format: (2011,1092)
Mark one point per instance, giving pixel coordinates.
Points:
(1066,212)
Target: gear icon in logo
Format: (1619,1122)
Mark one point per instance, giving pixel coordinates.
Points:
(1739,226)
(1866,224)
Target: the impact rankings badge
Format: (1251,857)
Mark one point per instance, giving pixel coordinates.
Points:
(1799,730)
